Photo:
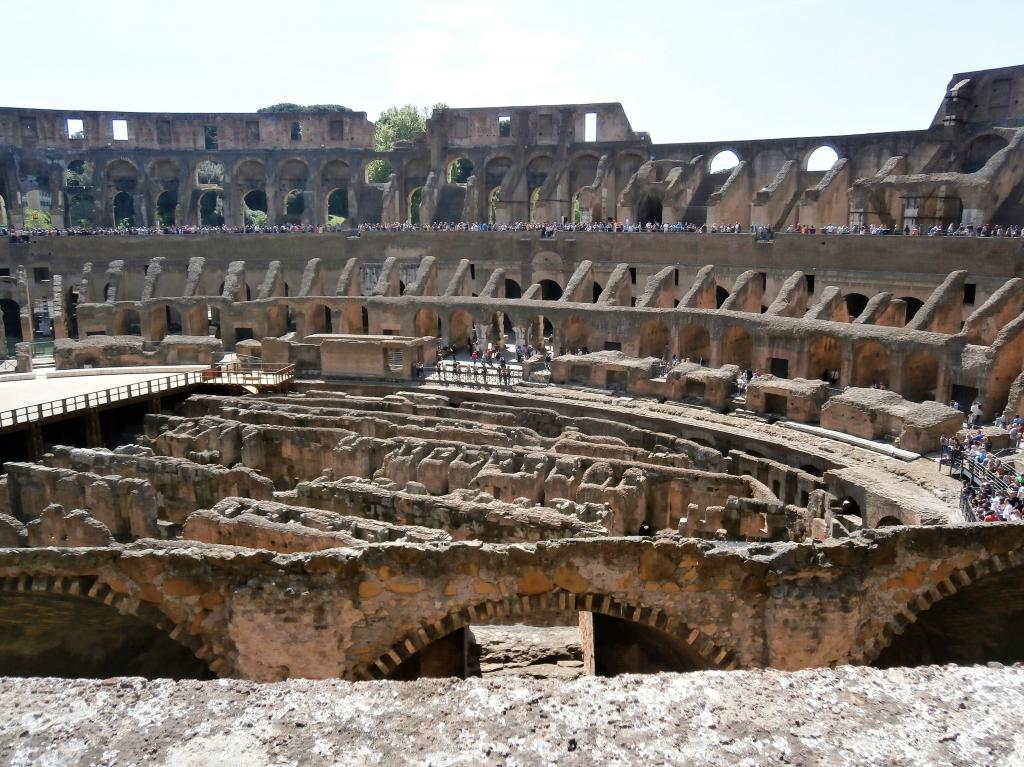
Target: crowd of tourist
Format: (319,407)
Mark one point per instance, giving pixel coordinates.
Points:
(953,230)
(993,489)
(547,229)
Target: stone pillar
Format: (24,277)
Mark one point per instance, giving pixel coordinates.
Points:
(846,365)
(154,323)
(716,350)
(93,432)
(911,211)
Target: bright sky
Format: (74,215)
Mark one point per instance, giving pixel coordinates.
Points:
(683,70)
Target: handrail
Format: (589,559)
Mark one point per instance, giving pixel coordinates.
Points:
(78,402)
(473,374)
(263,375)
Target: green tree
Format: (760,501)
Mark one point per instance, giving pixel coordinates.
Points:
(78,174)
(37,219)
(397,124)
(256,217)
(210,172)
(287,106)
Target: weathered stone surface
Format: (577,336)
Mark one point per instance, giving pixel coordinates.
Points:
(843,717)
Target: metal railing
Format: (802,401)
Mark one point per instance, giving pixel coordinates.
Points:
(25,414)
(249,371)
(473,375)
(977,475)
(231,373)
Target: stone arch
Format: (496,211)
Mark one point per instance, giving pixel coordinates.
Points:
(459,170)
(337,206)
(256,200)
(992,578)
(210,208)
(294,206)
(123,207)
(210,173)
(824,354)
(695,343)
(582,171)
(334,173)
(122,175)
(649,210)
(250,174)
(550,290)
(705,650)
(626,166)
(723,160)
(512,289)
(427,323)
(574,334)
(495,170)
(913,306)
(546,265)
(920,375)
(821,158)
(871,364)
(166,208)
(653,340)
(460,327)
(415,197)
(293,174)
(11,312)
(68,590)
(855,304)
(737,347)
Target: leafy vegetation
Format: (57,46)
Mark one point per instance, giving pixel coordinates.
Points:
(397,124)
(78,174)
(287,106)
(37,219)
(210,172)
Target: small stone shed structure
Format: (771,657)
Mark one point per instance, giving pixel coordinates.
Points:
(878,414)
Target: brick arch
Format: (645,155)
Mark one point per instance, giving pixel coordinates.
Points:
(557,601)
(92,588)
(869,645)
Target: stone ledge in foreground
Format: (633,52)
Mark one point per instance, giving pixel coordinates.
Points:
(845,716)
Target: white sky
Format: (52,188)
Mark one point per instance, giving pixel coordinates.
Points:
(683,70)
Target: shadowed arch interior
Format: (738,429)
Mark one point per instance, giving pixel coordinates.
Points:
(981,623)
(45,634)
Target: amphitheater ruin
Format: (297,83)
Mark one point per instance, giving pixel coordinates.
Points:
(707,447)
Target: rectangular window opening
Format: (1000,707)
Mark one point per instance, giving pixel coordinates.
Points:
(120,129)
(337,130)
(212,136)
(472,271)
(296,131)
(810,282)
(677,277)
(632,274)
(504,126)
(76,128)
(970,291)
(764,281)
(590,126)
(252,131)
(41,274)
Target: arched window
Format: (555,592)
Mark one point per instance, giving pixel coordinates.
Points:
(822,158)
(723,161)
